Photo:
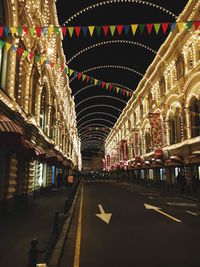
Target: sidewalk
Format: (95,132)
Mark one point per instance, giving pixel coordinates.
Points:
(34,220)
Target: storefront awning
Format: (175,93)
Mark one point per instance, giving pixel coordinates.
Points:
(176,158)
(8,126)
(11,134)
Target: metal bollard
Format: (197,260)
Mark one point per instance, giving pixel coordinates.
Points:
(33,253)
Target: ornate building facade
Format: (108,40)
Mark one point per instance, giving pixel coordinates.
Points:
(38,134)
(158,133)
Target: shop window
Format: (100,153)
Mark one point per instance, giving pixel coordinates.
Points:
(195,118)
(180,67)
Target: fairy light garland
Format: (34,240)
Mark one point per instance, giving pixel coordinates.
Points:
(119,1)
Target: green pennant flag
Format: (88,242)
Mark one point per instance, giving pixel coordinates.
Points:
(157,27)
(26,53)
(141,27)
(92,80)
(2,43)
(71,31)
(57,66)
(98,30)
(83,77)
(37,58)
(19,29)
(112,29)
(189,24)
(127,92)
(32,31)
(57,30)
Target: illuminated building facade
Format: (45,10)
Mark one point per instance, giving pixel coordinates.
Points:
(38,134)
(158,133)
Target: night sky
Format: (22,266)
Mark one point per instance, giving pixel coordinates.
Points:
(107,109)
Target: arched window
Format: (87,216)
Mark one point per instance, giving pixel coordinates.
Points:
(35,86)
(3,51)
(178,135)
(195,117)
(148,141)
(162,86)
(43,110)
(172,130)
(53,120)
(141,111)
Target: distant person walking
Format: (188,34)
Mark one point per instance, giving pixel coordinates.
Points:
(70,182)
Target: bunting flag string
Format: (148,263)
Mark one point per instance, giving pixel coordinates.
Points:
(79,75)
(105,30)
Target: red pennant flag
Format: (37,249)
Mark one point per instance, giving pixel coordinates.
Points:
(105,30)
(110,86)
(52,64)
(20,51)
(25,30)
(31,55)
(38,31)
(103,84)
(120,29)
(77,30)
(79,75)
(87,78)
(130,94)
(64,31)
(124,91)
(1,31)
(149,27)
(165,26)
(62,67)
(196,24)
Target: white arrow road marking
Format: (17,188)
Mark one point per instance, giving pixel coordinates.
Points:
(149,207)
(151,197)
(193,213)
(182,204)
(104,216)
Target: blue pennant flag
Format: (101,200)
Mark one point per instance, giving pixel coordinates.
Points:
(126,29)
(84,29)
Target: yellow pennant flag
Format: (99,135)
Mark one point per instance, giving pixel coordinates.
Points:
(42,59)
(8,46)
(51,30)
(117,89)
(13,30)
(70,72)
(134,28)
(91,30)
(181,26)
(95,81)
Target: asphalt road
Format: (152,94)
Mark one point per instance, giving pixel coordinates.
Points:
(135,236)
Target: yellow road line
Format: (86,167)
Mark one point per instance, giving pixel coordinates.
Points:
(78,237)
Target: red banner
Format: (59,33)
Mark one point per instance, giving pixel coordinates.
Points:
(136,142)
(156,130)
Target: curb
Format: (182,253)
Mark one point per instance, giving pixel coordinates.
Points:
(59,246)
